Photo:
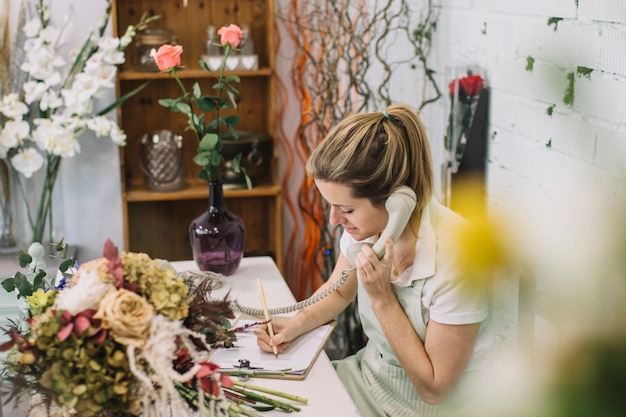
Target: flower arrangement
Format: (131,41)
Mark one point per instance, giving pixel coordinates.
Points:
(40,125)
(464,94)
(208,133)
(126,335)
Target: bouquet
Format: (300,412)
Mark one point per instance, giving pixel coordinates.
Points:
(124,335)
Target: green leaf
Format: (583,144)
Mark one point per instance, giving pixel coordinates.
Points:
(236,163)
(231,78)
(123,99)
(25,259)
(66,264)
(231,97)
(39,281)
(9,284)
(196,90)
(170,103)
(206,103)
(204,65)
(231,121)
(216,159)
(202,158)
(263,407)
(203,175)
(23,285)
(209,141)
(184,107)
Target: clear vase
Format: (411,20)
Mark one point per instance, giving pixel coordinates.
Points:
(28,194)
(7,238)
(217,236)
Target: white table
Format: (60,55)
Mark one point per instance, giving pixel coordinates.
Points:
(325,391)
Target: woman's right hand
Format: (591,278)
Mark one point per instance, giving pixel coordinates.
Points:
(279,340)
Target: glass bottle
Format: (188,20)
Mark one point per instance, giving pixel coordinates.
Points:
(212,42)
(247,44)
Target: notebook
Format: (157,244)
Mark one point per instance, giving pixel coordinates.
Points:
(298,358)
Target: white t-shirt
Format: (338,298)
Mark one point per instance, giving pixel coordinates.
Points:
(447,298)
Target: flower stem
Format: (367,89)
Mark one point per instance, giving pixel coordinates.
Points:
(292,397)
(263,399)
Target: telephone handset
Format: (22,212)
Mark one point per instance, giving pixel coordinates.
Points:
(400,206)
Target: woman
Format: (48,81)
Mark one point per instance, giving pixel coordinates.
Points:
(425,323)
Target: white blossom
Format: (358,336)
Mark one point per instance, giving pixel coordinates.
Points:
(53,137)
(100,125)
(50,100)
(13,133)
(32,28)
(12,107)
(27,161)
(117,135)
(49,34)
(85,294)
(33,90)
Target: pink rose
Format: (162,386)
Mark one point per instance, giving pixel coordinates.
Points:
(168,56)
(230,35)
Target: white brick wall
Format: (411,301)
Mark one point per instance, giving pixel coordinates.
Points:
(556,190)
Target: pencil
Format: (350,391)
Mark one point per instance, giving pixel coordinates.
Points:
(270,328)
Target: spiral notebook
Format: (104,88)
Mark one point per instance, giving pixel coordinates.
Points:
(299,357)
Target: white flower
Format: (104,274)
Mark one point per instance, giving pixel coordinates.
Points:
(85,294)
(51,136)
(27,161)
(128,36)
(108,44)
(50,100)
(100,125)
(12,108)
(33,91)
(13,133)
(32,27)
(117,135)
(49,34)
(40,64)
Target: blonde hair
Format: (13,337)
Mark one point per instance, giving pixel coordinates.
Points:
(375,153)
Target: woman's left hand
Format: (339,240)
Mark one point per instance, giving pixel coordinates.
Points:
(375,273)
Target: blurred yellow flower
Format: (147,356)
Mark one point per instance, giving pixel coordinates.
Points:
(38,300)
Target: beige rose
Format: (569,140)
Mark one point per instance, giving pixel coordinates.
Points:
(127,315)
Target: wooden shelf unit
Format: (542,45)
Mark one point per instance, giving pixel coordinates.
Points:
(157,222)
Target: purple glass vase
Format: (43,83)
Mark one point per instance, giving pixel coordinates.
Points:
(217,236)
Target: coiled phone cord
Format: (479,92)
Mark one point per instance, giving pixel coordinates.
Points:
(297,306)
(195,275)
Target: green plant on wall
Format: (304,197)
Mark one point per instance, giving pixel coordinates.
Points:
(554,21)
(568,97)
(530,63)
(550,110)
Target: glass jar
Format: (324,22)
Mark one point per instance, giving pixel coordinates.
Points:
(212,42)
(148,42)
(247,44)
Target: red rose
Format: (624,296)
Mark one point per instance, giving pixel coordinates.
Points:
(472,84)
